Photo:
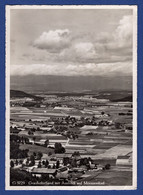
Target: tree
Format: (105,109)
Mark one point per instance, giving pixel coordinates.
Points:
(30,132)
(38,128)
(46,143)
(117,125)
(65,161)
(73,136)
(63,150)
(16,162)
(39,155)
(11,164)
(27,161)
(44,177)
(26,140)
(39,164)
(22,140)
(34,153)
(15,152)
(57,164)
(93,118)
(58,148)
(46,163)
(32,159)
(107,166)
(20,162)
(76,153)
(84,161)
(50,153)
(76,136)
(34,138)
(74,163)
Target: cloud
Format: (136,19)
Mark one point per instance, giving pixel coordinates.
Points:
(53,41)
(116,46)
(60,52)
(121,38)
(73,69)
(124,31)
(78,52)
(84,50)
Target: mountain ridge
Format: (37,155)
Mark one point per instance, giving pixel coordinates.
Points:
(70,83)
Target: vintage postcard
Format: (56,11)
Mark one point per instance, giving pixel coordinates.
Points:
(71,97)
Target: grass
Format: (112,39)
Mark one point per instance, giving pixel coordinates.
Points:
(110,178)
(35,148)
(116,178)
(40,135)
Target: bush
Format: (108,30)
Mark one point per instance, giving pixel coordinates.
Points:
(59,149)
(16,153)
(107,166)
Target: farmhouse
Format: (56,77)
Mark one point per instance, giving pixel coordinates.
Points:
(62,173)
(40,142)
(45,128)
(122,160)
(88,128)
(63,108)
(38,172)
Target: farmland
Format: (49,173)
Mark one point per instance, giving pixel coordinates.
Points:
(90,136)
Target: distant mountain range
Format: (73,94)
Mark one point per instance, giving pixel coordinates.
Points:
(38,83)
(114,96)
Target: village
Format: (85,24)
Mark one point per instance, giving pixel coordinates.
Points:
(70,140)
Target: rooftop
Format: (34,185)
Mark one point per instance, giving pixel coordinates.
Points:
(43,170)
(123,157)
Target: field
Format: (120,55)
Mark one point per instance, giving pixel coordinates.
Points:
(40,135)
(35,148)
(109,177)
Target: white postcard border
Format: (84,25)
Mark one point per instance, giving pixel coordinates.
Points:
(7,97)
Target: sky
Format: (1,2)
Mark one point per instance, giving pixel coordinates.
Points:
(71,42)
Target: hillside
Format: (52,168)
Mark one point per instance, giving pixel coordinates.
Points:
(22,94)
(115,96)
(125,99)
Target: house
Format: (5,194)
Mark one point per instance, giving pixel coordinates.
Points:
(41,142)
(52,162)
(31,141)
(122,160)
(61,156)
(42,106)
(45,128)
(38,172)
(62,173)
(88,128)
(99,166)
(128,128)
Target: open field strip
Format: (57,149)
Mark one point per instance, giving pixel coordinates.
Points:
(119,150)
(35,148)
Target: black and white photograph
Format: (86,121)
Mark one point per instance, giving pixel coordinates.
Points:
(71,96)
